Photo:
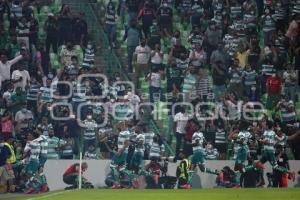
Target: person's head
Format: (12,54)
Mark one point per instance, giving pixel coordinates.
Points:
(181,155)
(24,108)
(278,148)
(74,60)
(243,125)
(143,42)
(212,25)
(209,146)
(269,124)
(89,115)
(91,148)
(69,45)
(84,166)
(248,67)
(3,57)
(50,131)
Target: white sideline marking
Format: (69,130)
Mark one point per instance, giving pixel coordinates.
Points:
(49,195)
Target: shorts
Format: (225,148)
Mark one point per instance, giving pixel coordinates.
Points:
(268,155)
(32,167)
(221,147)
(198,157)
(120,159)
(6,174)
(241,155)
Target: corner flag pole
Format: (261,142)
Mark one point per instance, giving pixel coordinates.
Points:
(80,171)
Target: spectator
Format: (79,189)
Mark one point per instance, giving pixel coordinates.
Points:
(155,89)
(180,120)
(5,67)
(21,78)
(274,86)
(132,34)
(164,19)
(51,29)
(141,58)
(147,15)
(110,21)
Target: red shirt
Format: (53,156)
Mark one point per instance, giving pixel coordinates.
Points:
(72,169)
(274,85)
(190,129)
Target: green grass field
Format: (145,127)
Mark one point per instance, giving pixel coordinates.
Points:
(203,194)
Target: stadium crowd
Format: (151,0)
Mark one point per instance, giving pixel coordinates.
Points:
(210,60)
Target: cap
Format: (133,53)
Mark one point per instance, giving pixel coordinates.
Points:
(50,15)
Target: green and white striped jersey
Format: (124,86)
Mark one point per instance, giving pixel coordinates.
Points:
(140,141)
(53,145)
(243,138)
(46,95)
(34,148)
(270,137)
(198,136)
(123,136)
(156,150)
(43,140)
(90,129)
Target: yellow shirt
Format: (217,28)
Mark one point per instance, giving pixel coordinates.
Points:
(12,159)
(243,58)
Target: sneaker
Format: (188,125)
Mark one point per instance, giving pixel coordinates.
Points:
(30,191)
(186,186)
(116,186)
(293,176)
(221,176)
(259,165)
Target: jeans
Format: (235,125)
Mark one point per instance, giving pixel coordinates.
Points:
(111,32)
(153,91)
(131,16)
(130,51)
(290,90)
(179,139)
(219,90)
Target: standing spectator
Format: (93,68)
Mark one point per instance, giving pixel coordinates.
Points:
(165,19)
(110,23)
(80,30)
(142,56)
(147,15)
(64,25)
(213,37)
(23,119)
(51,29)
(21,77)
(89,131)
(32,94)
(67,52)
(5,68)
(219,76)
(54,144)
(156,57)
(155,88)
(132,8)
(5,175)
(23,31)
(180,121)
(211,152)
(269,26)
(280,179)
(274,86)
(6,125)
(132,34)
(290,82)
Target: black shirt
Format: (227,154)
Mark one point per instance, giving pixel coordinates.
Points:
(4,154)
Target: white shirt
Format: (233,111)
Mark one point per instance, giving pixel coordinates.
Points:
(181,120)
(25,78)
(143,54)
(5,68)
(157,58)
(199,58)
(155,79)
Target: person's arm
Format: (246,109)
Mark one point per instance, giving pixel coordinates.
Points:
(294,136)
(16,59)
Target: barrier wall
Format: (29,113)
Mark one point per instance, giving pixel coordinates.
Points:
(97,170)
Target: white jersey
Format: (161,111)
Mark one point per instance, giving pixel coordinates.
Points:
(270,137)
(198,136)
(243,138)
